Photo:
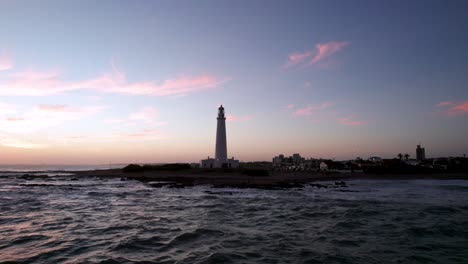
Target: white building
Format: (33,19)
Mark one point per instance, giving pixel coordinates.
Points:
(221,160)
(323,166)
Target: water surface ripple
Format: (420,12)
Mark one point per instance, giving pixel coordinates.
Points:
(112,221)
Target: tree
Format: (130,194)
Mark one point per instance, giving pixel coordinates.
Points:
(400,156)
(407,156)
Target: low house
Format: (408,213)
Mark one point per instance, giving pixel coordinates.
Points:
(323,166)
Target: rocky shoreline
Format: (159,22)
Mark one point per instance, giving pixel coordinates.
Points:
(235,178)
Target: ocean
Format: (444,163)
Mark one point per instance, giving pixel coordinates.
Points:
(65,220)
(48,167)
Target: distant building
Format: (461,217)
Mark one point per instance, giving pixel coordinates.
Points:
(420,153)
(375,159)
(297,159)
(221,160)
(278,160)
(295,163)
(323,166)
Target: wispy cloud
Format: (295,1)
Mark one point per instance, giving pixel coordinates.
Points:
(315,55)
(145,134)
(14,119)
(351,121)
(6,62)
(297,58)
(312,109)
(6,109)
(44,116)
(327,49)
(68,140)
(460,108)
(114,121)
(17,143)
(233,118)
(444,103)
(146,115)
(36,83)
(42,83)
(173,87)
(453,108)
(290,106)
(56,108)
(63,112)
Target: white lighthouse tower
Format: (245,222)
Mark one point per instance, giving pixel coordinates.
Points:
(221,159)
(221,146)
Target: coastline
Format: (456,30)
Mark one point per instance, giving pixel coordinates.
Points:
(236,179)
(231,178)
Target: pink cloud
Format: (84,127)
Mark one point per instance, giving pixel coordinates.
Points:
(51,114)
(350,121)
(326,49)
(44,116)
(34,83)
(175,87)
(296,58)
(37,83)
(14,119)
(458,109)
(233,118)
(453,108)
(317,54)
(146,134)
(312,109)
(55,108)
(444,103)
(290,106)
(147,116)
(6,62)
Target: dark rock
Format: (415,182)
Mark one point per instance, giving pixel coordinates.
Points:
(317,185)
(29,177)
(171,184)
(340,183)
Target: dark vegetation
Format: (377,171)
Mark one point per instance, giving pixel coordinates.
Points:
(429,166)
(255,172)
(164,167)
(252,171)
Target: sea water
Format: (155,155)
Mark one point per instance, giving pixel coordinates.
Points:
(59,220)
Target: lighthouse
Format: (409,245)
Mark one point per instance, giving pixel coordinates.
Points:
(221,158)
(221,146)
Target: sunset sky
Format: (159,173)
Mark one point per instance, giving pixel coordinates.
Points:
(91,82)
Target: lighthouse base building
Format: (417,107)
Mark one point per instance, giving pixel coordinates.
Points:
(214,163)
(220,160)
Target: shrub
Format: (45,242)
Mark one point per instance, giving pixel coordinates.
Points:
(132,168)
(164,167)
(171,167)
